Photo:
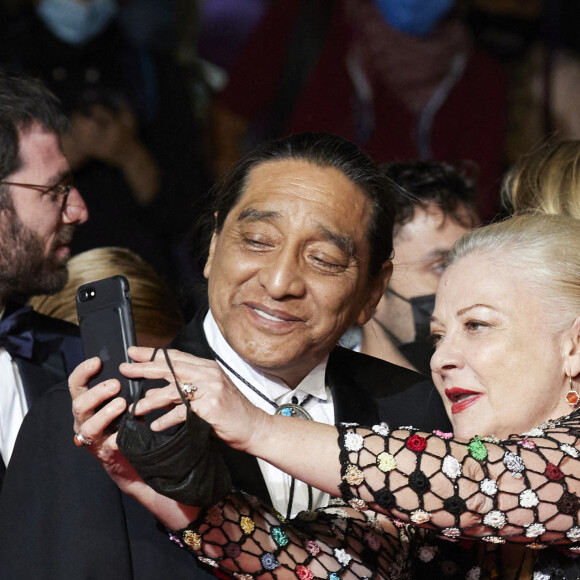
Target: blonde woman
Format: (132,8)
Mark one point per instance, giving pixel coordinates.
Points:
(156,312)
(547,181)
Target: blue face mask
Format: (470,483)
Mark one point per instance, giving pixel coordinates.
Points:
(416,17)
(76,22)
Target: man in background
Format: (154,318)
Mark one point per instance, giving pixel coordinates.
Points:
(39,210)
(435,206)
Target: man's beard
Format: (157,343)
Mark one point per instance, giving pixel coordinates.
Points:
(24,269)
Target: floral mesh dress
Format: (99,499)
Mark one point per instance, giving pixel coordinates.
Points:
(483,509)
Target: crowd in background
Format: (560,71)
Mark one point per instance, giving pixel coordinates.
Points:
(164,95)
(467,111)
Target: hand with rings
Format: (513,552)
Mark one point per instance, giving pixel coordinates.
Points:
(204,385)
(94,411)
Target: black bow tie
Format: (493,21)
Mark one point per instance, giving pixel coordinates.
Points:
(16,333)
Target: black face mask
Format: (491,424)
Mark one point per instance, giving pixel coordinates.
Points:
(186,466)
(422,307)
(420,350)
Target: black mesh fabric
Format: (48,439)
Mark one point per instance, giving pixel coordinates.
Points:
(245,539)
(471,511)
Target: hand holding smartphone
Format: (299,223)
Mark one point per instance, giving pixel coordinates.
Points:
(107,331)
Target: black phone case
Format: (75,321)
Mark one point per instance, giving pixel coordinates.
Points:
(107,331)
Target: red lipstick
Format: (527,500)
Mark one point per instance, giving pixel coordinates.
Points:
(461,399)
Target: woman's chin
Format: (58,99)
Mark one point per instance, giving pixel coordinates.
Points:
(464,430)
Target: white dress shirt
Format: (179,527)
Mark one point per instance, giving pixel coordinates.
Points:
(13,405)
(320,407)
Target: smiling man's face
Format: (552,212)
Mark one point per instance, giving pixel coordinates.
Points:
(288,272)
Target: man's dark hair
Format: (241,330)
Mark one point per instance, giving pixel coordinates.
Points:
(23,102)
(421,183)
(323,150)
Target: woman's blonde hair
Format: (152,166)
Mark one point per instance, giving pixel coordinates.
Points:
(546,181)
(544,248)
(155,308)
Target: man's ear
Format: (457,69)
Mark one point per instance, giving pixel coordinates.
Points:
(571,350)
(207,267)
(377,287)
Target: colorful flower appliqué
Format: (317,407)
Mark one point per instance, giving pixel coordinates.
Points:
(442,434)
(353,441)
(353,475)
(279,536)
(477,449)
(382,429)
(192,539)
(312,547)
(386,462)
(572,451)
(420,517)
(451,467)
(534,530)
(269,561)
(514,464)
(488,486)
(416,443)
(495,519)
(529,499)
(304,573)
(342,556)
(247,525)
(553,472)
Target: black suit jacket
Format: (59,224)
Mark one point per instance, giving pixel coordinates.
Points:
(72,522)
(57,350)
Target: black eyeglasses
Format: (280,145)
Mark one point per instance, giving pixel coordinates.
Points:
(60,190)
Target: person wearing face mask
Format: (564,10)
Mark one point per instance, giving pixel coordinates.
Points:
(134,142)
(414,16)
(76,22)
(400,78)
(435,207)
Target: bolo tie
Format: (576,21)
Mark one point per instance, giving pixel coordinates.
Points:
(293,409)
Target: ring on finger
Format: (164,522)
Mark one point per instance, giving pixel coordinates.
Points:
(188,389)
(81,440)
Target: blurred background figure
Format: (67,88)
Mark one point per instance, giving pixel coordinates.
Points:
(151,23)
(402,79)
(435,206)
(135,145)
(156,312)
(546,180)
(224,27)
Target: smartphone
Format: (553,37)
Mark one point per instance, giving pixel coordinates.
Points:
(107,331)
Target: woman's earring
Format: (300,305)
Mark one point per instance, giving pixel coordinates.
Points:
(572,396)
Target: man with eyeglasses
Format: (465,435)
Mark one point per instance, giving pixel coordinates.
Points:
(39,210)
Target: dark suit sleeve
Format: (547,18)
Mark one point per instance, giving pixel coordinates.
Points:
(368,390)
(62,517)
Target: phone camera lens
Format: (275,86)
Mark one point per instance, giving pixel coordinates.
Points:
(85,295)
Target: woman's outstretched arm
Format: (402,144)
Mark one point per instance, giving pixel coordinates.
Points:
(524,489)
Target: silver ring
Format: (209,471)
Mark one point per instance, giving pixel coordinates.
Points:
(83,440)
(188,389)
